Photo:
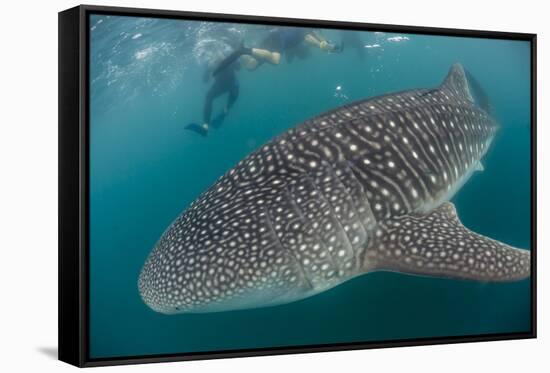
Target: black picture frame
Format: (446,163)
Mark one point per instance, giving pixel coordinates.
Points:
(74,180)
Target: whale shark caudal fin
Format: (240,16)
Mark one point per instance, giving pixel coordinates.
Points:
(437,244)
(456,83)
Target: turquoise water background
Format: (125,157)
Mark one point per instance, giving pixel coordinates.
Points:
(145,169)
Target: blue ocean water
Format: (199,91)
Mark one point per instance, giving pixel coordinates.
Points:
(145,169)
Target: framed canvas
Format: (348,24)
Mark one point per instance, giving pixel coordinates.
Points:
(237,185)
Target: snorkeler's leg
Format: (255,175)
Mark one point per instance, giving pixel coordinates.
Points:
(266,55)
(232,97)
(202,129)
(208,101)
(311,39)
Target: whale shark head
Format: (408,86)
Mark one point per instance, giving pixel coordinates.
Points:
(360,188)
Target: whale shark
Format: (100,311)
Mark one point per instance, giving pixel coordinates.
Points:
(361,188)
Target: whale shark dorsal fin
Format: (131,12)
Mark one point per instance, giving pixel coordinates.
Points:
(456,83)
(437,244)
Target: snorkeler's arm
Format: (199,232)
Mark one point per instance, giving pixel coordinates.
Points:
(313,39)
(317,40)
(309,38)
(318,35)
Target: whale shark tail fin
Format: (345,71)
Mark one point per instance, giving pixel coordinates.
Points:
(437,244)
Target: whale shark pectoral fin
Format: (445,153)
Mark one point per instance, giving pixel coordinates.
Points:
(437,244)
(456,83)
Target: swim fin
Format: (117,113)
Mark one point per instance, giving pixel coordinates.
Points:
(231,58)
(197,128)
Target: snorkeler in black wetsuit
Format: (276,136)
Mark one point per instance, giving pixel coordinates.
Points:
(224,83)
(284,40)
(289,41)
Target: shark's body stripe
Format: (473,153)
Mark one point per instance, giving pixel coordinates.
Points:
(450,150)
(421,146)
(390,184)
(416,173)
(437,150)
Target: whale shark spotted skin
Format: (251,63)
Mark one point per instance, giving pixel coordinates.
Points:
(361,188)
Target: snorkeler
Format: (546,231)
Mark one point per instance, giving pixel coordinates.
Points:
(284,40)
(224,83)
